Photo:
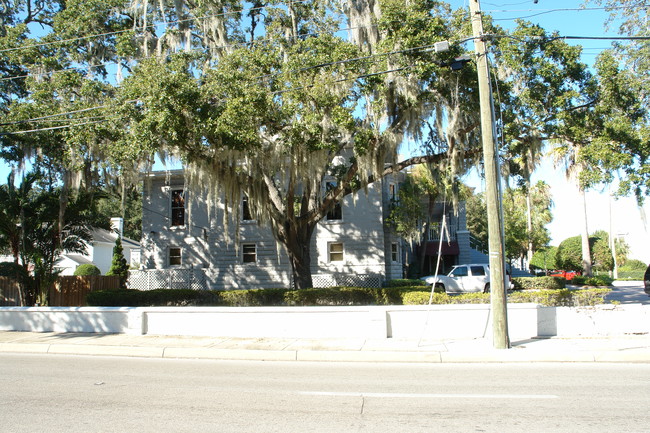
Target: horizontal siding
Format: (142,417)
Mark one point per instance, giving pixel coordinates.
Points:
(205,245)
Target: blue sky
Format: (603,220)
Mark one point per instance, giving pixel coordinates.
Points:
(570,19)
(623,215)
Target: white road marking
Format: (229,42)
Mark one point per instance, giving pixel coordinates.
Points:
(402,395)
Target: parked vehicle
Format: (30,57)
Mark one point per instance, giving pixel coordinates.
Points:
(464,279)
(567,275)
(646,281)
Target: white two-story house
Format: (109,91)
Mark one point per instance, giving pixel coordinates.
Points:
(188,241)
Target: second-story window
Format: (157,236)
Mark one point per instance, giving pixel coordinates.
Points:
(178,207)
(392,192)
(246,209)
(336,213)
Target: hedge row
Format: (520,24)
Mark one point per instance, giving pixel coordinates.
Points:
(549,298)
(595,281)
(538,283)
(331,296)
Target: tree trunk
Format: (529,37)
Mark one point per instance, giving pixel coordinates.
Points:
(298,243)
(586,251)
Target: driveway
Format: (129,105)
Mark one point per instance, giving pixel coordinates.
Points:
(628,292)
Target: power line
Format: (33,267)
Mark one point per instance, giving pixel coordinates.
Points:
(548,11)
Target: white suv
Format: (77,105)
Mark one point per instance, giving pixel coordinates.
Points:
(464,279)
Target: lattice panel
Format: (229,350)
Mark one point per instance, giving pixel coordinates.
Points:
(362,280)
(321,281)
(167,279)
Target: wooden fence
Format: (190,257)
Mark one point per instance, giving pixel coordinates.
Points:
(8,292)
(67,291)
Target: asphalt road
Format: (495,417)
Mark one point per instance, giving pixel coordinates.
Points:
(628,292)
(96,394)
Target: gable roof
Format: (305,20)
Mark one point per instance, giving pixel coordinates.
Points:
(77,258)
(109,237)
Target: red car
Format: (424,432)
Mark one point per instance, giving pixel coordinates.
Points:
(567,275)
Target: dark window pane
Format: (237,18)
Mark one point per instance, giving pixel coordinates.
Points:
(249,254)
(478,270)
(178,208)
(174,256)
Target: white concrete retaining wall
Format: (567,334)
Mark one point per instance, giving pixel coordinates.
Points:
(64,319)
(435,322)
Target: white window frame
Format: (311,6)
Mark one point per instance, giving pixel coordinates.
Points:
(169,256)
(394,252)
(331,252)
(172,208)
(247,254)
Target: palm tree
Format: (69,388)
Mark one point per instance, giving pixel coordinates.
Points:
(569,153)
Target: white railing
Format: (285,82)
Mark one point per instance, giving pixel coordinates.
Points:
(434,232)
(346,280)
(183,278)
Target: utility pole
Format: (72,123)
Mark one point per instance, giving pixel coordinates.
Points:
(498,288)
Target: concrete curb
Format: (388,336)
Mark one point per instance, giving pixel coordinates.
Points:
(513,355)
(629,348)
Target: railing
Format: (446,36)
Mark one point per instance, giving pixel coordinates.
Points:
(150,279)
(435,229)
(477,245)
(349,280)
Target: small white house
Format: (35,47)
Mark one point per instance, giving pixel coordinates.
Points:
(100,250)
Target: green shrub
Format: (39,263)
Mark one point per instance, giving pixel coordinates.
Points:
(633,265)
(597,280)
(562,297)
(329,296)
(632,270)
(422,298)
(332,296)
(408,283)
(253,298)
(87,269)
(538,283)
(559,298)
(630,275)
(578,280)
(153,298)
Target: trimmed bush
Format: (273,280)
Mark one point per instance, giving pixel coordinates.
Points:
(87,269)
(330,296)
(596,281)
(549,298)
(422,298)
(253,298)
(153,298)
(408,283)
(538,283)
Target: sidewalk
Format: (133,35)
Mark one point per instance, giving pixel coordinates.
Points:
(633,348)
